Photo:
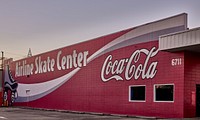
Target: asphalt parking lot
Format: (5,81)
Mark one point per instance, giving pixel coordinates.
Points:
(16,113)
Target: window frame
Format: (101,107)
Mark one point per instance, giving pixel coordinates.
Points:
(154,93)
(130,93)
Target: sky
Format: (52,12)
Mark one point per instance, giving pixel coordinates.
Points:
(45,25)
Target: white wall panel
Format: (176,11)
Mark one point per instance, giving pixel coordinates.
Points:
(180,40)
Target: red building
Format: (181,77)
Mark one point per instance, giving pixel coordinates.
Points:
(130,72)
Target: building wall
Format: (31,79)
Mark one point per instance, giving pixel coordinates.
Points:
(191,79)
(86,91)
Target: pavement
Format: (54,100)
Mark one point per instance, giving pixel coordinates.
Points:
(17,113)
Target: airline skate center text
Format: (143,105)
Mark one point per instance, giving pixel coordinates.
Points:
(62,62)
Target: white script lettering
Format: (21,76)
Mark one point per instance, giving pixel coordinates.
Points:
(43,66)
(114,69)
(69,61)
(24,69)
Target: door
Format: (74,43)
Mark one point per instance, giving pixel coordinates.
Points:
(198,100)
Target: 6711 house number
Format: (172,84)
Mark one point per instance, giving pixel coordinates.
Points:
(176,61)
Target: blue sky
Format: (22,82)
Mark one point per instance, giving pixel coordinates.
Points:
(45,25)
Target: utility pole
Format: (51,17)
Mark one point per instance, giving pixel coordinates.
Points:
(2,77)
(2,60)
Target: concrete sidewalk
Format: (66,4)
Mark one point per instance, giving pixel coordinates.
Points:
(16,113)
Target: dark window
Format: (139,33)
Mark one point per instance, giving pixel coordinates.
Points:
(137,93)
(164,93)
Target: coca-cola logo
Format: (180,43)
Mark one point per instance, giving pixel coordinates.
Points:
(130,68)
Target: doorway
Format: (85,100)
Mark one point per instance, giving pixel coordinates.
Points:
(198,100)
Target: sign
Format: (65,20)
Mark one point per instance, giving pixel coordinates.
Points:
(114,69)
